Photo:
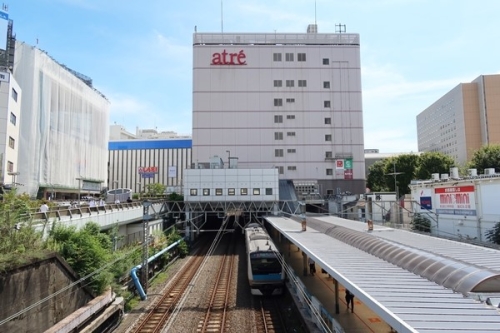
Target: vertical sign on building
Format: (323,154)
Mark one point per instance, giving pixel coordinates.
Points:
(4,24)
(172,171)
(348,168)
(343,168)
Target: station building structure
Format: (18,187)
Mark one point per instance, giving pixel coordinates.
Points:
(289,101)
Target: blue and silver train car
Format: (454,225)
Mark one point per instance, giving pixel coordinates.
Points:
(265,271)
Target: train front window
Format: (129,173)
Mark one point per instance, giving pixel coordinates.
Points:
(265,264)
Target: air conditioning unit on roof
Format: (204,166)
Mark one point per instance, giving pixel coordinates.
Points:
(489,171)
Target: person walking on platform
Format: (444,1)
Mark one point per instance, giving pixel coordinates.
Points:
(349,299)
(312,267)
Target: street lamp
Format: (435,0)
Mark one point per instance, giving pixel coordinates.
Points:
(228,159)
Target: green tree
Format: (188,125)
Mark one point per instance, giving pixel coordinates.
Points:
(486,157)
(433,162)
(493,235)
(404,166)
(156,189)
(86,250)
(375,180)
(17,235)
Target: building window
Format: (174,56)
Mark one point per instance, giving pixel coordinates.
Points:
(206,191)
(278,153)
(278,83)
(276,56)
(292,168)
(302,83)
(290,100)
(256,191)
(329,172)
(193,192)
(14,94)
(328,137)
(13,119)
(328,154)
(231,191)
(326,61)
(290,116)
(244,191)
(290,133)
(278,135)
(328,121)
(278,119)
(329,192)
(278,102)
(301,57)
(12,142)
(10,166)
(288,56)
(218,191)
(281,170)
(289,83)
(326,84)
(291,151)
(269,191)
(326,104)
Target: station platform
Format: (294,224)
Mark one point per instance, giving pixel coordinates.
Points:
(321,286)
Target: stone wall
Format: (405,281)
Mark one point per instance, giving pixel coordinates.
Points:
(29,285)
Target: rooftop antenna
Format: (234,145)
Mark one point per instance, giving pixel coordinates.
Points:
(340,28)
(221,18)
(315,23)
(5,7)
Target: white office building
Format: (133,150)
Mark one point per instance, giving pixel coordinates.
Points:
(290,101)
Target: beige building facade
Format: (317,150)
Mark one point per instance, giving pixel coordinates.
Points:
(463,120)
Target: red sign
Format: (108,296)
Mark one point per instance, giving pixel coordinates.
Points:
(151,169)
(467,188)
(225,58)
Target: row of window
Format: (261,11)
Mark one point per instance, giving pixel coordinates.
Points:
(279,102)
(278,119)
(301,57)
(300,83)
(280,153)
(278,136)
(281,170)
(230,191)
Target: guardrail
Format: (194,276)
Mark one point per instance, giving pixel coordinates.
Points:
(63,212)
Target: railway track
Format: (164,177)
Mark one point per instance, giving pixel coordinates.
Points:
(271,319)
(215,317)
(154,321)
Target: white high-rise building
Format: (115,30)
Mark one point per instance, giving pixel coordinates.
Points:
(281,100)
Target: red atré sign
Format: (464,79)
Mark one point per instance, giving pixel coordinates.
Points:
(226,58)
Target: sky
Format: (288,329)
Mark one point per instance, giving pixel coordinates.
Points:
(139,54)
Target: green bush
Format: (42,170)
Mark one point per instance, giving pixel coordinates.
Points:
(421,223)
(493,235)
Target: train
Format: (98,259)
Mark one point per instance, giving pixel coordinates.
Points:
(266,273)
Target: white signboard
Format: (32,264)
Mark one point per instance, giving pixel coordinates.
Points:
(456,200)
(172,171)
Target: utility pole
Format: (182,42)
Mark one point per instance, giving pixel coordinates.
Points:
(395,174)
